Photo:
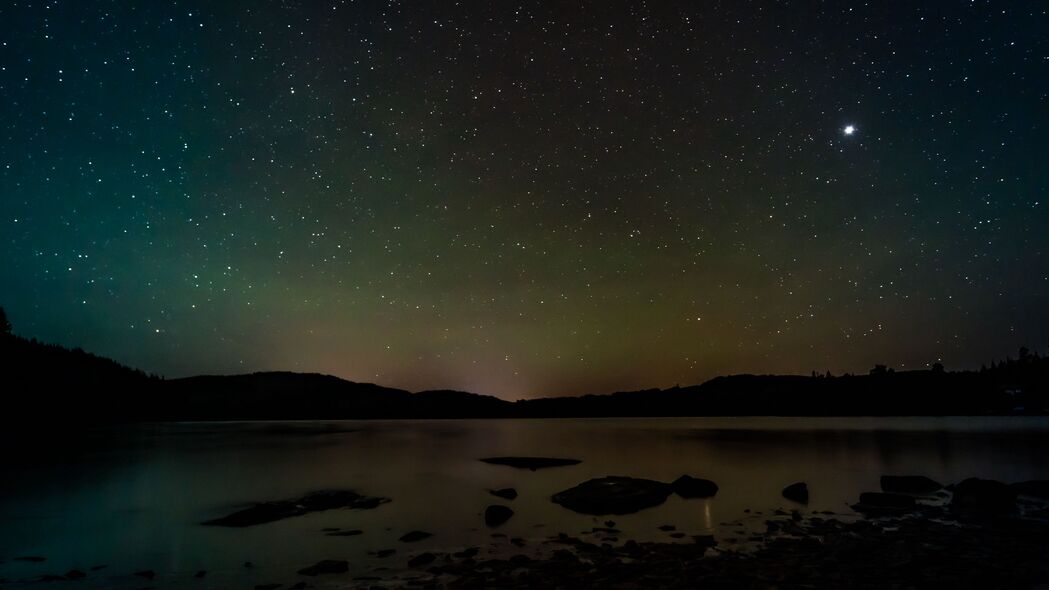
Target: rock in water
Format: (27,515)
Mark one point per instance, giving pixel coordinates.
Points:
(415,536)
(496,515)
(687,486)
(797,492)
(421,560)
(613,495)
(983,497)
(1034,489)
(346,533)
(885,500)
(505,493)
(909,484)
(532,463)
(328,566)
(316,502)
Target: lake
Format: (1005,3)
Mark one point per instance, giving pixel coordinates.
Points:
(132,498)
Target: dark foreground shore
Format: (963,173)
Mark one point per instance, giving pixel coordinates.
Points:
(913,551)
(974,534)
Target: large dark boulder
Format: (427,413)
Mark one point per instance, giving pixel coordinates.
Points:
(797,492)
(983,497)
(687,486)
(613,495)
(316,502)
(532,463)
(496,515)
(328,566)
(1038,488)
(909,484)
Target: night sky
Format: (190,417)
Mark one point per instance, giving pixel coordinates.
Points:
(526,198)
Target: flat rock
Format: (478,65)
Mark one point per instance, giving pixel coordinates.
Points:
(496,515)
(532,463)
(504,493)
(687,486)
(327,566)
(415,536)
(613,495)
(316,502)
(909,484)
(797,492)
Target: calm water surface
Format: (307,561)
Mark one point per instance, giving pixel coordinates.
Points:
(132,499)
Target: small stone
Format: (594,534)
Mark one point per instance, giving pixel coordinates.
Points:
(505,493)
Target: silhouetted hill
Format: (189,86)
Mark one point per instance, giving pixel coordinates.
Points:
(50,382)
(296,396)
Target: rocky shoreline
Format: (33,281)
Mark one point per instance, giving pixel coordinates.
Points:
(912,533)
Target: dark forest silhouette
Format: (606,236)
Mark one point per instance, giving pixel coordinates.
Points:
(52,382)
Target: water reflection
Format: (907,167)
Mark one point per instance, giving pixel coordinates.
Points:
(133,498)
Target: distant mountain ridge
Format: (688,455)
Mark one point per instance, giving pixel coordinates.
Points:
(53,382)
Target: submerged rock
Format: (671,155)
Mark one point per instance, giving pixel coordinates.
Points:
(147,574)
(496,515)
(687,486)
(31,558)
(316,502)
(327,566)
(909,484)
(532,463)
(613,495)
(797,492)
(75,575)
(983,497)
(504,493)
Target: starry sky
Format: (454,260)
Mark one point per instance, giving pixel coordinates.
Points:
(526,198)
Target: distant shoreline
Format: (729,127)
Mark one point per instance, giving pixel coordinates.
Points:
(57,383)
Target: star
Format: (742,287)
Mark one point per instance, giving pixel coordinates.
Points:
(849,129)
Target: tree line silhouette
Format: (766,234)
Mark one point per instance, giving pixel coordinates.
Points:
(50,381)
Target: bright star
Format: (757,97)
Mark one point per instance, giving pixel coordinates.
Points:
(849,130)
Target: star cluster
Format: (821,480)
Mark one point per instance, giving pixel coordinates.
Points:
(526,198)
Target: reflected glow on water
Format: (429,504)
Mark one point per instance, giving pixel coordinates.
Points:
(133,499)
